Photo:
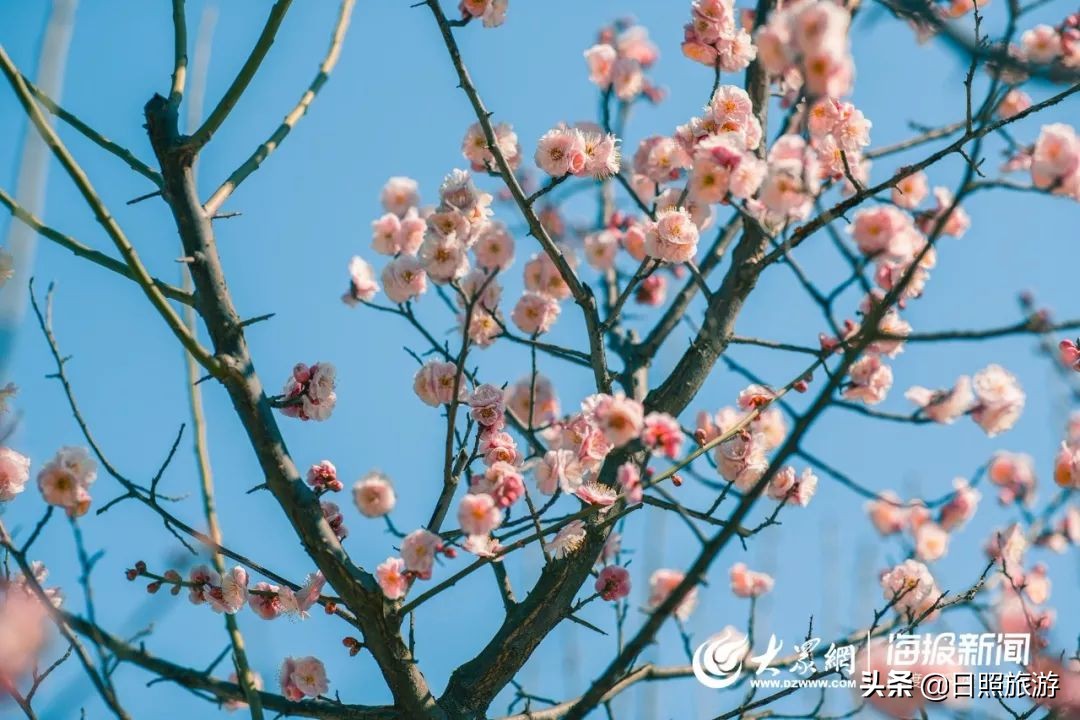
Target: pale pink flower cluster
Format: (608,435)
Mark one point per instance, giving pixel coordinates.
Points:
(619,418)
(769,423)
(785,485)
(891,237)
(792,180)
(911,586)
(613,583)
(806,43)
(303,677)
(491,12)
(1055,161)
(14,473)
(943,406)
(672,237)
(224,594)
(323,477)
(1045,44)
(1014,473)
(454,227)
(65,480)
(713,38)
(475,147)
(331,512)
(661,584)
(838,132)
(488,405)
(583,151)
(618,61)
(869,380)
(747,583)
(374,495)
(1069,354)
(999,399)
(309,392)
(930,535)
(720,144)
(270,601)
(543,276)
(418,552)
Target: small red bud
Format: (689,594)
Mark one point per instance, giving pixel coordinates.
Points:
(676,480)
(450,552)
(172,576)
(800,387)
(140,567)
(699,436)
(131,573)
(153,587)
(348,641)
(330,608)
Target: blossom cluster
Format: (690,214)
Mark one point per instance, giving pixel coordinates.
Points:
(929,533)
(491,12)
(309,392)
(714,37)
(619,59)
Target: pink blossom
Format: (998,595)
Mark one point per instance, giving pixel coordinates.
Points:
(298,602)
(931,542)
(741,459)
(662,435)
(869,380)
(399,195)
(1042,44)
(595,493)
(478,514)
(600,58)
(305,676)
(1015,474)
(651,291)
(660,159)
(628,476)
(374,495)
(501,481)
(435,383)
(602,157)
(1015,102)
(805,488)
(957,222)
(535,313)
(392,577)
(542,276)
(943,406)
(567,540)
(1069,354)
(204,581)
(961,507)
(65,480)
(1067,467)
(14,473)
(613,583)
(309,393)
(558,469)
(332,514)
(264,601)
(491,12)
(232,594)
(673,237)
(620,418)
(747,583)
(912,582)
(384,234)
(754,396)
(403,279)
(561,151)
(1055,162)
(494,247)
(362,284)
(323,476)
(999,400)
(887,513)
(488,408)
(484,546)
(601,249)
(911,191)
(418,551)
(661,584)
(497,446)
(444,258)
(475,147)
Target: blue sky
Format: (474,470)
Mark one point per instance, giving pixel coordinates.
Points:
(391,108)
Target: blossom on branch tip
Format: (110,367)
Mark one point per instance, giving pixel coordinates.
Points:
(374,495)
(399,195)
(309,393)
(392,578)
(323,476)
(747,583)
(943,406)
(14,473)
(567,540)
(613,583)
(479,514)
(303,677)
(65,480)
(661,584)
(999,399)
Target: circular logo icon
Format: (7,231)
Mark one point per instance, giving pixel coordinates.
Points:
(717,662)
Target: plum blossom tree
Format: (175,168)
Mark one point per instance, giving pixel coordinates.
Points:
(777,159)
